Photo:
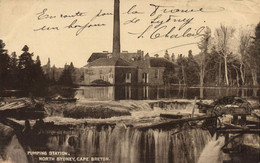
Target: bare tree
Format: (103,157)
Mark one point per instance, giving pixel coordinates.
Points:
(204,46)
(224,35)
(243,49)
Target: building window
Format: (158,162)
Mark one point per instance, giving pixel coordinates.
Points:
(100,73)
(157,74)
(128,75)
(145,78)
(128,78)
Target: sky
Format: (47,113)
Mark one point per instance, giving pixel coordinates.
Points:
(25,22)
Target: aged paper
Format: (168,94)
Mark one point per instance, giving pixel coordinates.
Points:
(137,69)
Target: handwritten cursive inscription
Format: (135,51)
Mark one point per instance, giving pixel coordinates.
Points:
(169,22)
(133,10)
(43,15)
(166,32)
(82,27)
(45,28)
(74,24)
(161,21)
(172,9)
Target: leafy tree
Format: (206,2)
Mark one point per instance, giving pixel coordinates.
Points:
(66,76)
(4,66)
(32,78)
(191,69)
(173,57)
(212,68)
(13,72)
(166,55)
(254,56)
(25,66)
(169,74)
(39,85)
(181,62)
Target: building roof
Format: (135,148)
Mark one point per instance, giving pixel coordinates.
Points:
(141,63)
(160,62)
(95,56)
(114,61)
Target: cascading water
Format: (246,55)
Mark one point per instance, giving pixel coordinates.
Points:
(131,145)
(13,152)
(212,152)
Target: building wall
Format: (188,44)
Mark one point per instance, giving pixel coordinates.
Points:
(106,73)
(121,75)
(124,75)
(154,76)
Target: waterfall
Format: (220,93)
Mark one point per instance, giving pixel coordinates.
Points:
(212,152)
(14,152)
(131,145)
(11,150)
(251,140)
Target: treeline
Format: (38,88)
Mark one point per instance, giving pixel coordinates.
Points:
(26,74)
(227,58)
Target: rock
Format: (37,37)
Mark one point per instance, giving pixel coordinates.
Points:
(94,112)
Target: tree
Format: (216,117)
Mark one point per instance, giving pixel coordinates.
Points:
(39,83)
(212,74)
(234,75)
(166,55)
(244,46)
(204,46)
(156,55)
(25,66)
(169,73)
(173,57)
(66,76)
(224,36)
(254,56)
(4,66)
(181,62)
(13,72)
(32,78)
(191,70)
(48,69)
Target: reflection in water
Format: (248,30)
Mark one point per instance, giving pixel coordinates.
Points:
(128,92)
(96,93)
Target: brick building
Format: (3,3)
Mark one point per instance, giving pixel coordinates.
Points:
(118,67)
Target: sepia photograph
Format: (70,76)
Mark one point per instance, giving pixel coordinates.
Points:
(130,81)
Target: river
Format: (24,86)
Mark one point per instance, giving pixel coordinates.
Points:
(122,139)
(161,92)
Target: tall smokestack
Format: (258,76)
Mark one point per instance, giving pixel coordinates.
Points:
(116,32)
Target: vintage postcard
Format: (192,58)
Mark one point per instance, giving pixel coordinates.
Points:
(129,81)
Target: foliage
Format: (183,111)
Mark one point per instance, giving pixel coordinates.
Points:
(192,70)
(66,78)
(169,74)
(4,65)
(24,73)
(100,82)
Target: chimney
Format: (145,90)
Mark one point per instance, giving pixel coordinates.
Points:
(116,32)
